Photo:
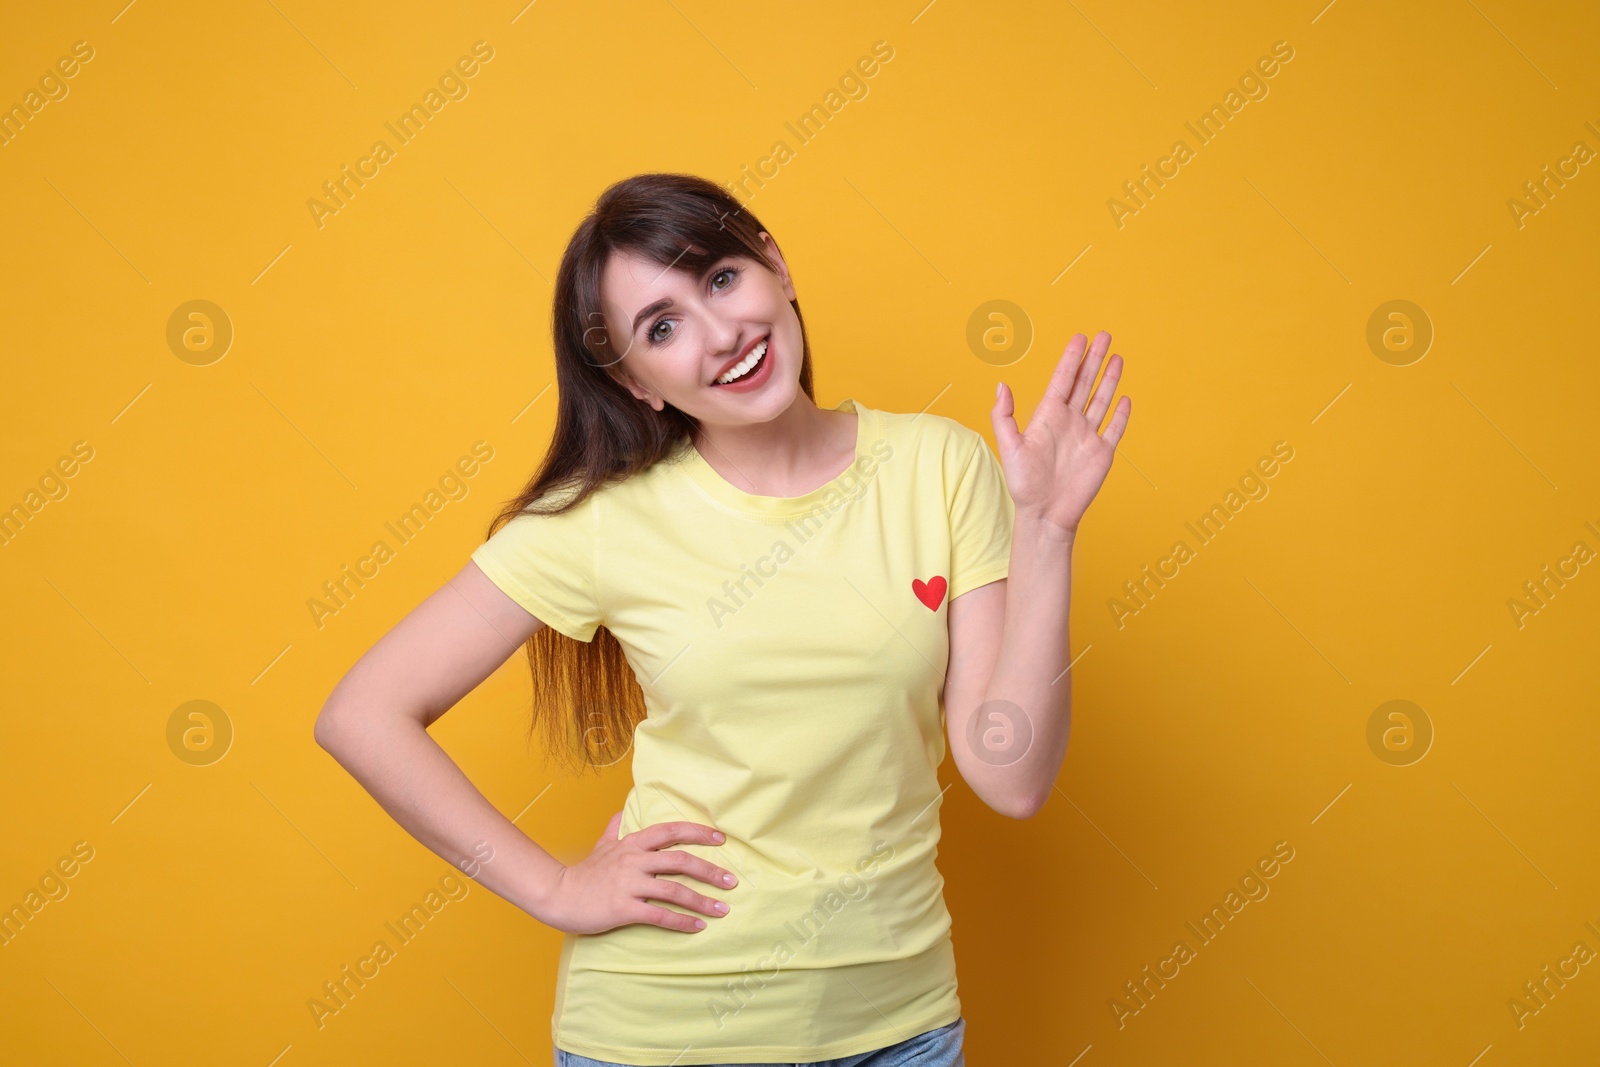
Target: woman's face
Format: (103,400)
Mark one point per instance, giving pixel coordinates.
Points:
(673,335)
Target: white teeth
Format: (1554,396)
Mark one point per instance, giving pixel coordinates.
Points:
(742,368)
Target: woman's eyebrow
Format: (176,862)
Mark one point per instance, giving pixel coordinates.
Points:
(648,310)
(666,301)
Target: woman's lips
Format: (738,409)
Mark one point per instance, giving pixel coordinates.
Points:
(755,375)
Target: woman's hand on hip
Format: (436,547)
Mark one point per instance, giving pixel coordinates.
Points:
(614,885)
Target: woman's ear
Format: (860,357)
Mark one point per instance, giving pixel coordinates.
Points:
(776,264)
(626,380)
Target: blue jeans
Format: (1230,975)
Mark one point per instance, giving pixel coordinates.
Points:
(936,1048)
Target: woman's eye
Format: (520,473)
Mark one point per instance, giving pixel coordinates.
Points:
(656,338)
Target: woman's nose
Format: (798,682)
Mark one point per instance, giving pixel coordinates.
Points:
(722,336)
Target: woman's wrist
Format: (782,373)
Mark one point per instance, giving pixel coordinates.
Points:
(536,888)
(1030,526)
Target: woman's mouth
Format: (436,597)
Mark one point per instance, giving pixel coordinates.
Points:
(751,371)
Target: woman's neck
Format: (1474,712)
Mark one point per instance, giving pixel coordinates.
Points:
(801,450)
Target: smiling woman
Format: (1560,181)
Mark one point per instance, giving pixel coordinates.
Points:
(785,800)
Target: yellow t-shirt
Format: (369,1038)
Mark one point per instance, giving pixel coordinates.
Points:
(792,654)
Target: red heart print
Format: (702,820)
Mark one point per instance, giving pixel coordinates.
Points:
(931,593)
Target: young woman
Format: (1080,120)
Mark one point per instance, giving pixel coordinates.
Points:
(778,609)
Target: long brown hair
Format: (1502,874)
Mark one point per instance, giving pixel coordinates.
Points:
(586,694)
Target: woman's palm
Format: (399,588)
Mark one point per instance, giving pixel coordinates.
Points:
(1055,468)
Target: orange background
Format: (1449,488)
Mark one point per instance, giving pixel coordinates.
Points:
(1231,712)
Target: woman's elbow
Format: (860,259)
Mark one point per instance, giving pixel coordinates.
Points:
(1020,814)
(332,728)
(323,729)
(1020,807)
(347,724)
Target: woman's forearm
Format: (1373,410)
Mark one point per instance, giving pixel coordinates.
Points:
(1031,670)
(421,787)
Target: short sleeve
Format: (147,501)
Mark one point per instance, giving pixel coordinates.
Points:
(981,518)
(546,563)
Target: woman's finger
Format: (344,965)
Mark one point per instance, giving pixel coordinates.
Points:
(1084,380)
(682,895)
(676,861)
(656,915)
(1119,420)
(671,833)
(610,832)
(1003,416)
(1059,388)
(1096,411)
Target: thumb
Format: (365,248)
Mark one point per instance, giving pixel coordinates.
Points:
(610,832)
(1003,415)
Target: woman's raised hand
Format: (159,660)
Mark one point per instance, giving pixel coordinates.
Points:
(1055,468)
(614,884)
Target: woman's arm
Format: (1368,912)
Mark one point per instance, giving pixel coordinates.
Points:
(1008,696)
(375,724)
